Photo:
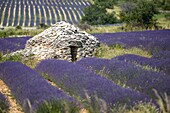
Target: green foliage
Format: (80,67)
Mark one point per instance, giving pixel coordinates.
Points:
(163,102)
(7,32)
(57,107)
(18,58)
(97,14)
(8,57)
(85,26)
(4,107)
(138,108)
(163,4)
(140,14)
(18,27)
(105,3)
(95,104)
(105,29)
(143,108)
(15,32)
(167,15)
(42,25)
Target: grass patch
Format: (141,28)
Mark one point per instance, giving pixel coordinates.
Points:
(163,21)
(30,62)
(57,107)
(163,102)
(8,57)
(105,29)
(109,52)
(138,108)
(19,32)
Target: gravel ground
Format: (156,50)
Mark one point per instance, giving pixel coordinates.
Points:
(14,107)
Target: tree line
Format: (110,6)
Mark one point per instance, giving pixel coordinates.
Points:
(133,12)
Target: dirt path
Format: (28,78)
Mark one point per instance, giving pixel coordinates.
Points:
(14,107)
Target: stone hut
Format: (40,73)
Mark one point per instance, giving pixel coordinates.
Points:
(61,41)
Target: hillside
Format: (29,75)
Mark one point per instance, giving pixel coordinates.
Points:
(31,13)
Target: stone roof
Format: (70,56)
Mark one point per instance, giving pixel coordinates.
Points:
(61,41)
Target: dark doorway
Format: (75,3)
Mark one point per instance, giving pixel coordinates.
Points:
(73,53)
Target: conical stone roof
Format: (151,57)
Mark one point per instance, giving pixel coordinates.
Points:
(61,41)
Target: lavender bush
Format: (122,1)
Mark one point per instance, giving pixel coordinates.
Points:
(118,71)
(146,83)
(4,104)
(17,40)
(162,65)
(6,47)
(161,55)
(12,44)
(77,80)
(152,41)
(28,87)
(130,75)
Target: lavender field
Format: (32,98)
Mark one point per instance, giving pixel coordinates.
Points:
(95,84)
(31,13)
(152,41)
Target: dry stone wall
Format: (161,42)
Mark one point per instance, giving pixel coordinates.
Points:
(61,41)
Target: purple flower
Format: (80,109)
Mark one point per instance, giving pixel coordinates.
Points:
(6,46)
(161,55)
(12,44)
(135,59)
(152,80)
(26,84)
(75,80)
(152,41)
(162,65)
(117,71)
(130,75)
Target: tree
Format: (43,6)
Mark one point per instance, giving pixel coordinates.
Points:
(140,13)
(96,14)
(163,4)
(105,3)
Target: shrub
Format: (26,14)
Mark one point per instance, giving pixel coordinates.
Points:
(18,27)
(96,14)
(85,26)
(42,25)
(138,14)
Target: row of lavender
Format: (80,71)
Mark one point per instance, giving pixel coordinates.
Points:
(76,80)
(129,75)
(31,90)
(159,62)
(156,42)
(35,12)
(12,44)
(152,41)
